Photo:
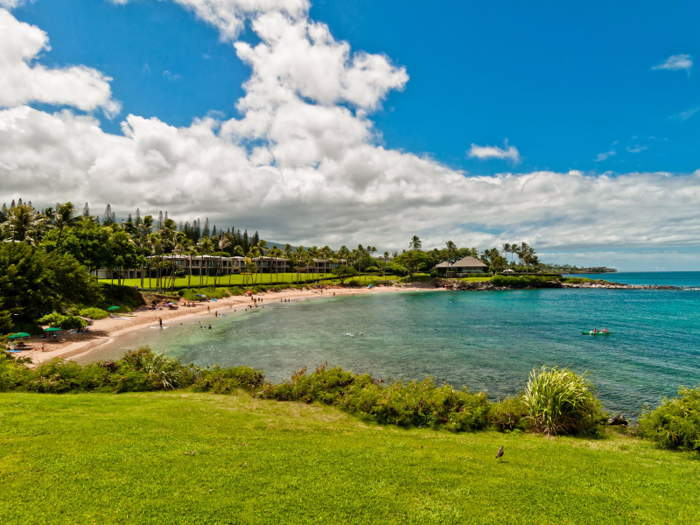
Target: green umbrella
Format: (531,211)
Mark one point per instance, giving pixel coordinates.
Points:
(52,329)
(18,335)
(113,308)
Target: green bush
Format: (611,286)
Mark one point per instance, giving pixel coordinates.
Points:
(509,414)
(229,380)
(559,401)
(13,373)
(521,281)
(94,313)
(6,325)
(676,423)
(415,403)
(125,296)
(190,294)
(64,322)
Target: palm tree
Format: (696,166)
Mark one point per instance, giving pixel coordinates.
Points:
(415,243)
(205,248)
(237,252)
(507,248)
(254,253)
(276,253)
(450,248)
(64,217)
(24,223)
(225,242)
(386,256)
(262,246)
(144,231)
(180,242)
(299,255)
(313,257)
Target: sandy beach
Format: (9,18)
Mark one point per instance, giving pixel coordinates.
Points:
(101,331)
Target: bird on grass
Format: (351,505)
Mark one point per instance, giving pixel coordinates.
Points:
(499,455)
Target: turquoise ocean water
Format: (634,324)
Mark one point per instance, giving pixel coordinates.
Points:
(484,340)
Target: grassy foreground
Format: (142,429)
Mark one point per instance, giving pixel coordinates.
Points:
(200,458)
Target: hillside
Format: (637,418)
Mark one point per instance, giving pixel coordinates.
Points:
(201,458)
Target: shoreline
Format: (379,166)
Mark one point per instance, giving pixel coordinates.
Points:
(103,331)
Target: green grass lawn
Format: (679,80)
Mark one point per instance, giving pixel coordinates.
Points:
(196,281)
(200,458)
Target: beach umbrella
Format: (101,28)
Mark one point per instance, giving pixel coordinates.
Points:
(18,335)
(113,308)
(52,329)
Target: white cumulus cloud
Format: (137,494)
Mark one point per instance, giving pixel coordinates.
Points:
(676,62)
(303,162)
(494,152)
(22,80)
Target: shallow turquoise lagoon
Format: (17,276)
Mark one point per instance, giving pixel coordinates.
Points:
(484,340)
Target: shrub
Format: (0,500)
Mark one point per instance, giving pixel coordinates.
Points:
(55,377)
(415,403)
(13,373)
(94,313)
(229,380)
(509,414)
(6,325)
(676,423)
(190,294)
(521,281)
(125,296)
(64,322)
(559,401)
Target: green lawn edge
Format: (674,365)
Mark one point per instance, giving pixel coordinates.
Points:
(200,458)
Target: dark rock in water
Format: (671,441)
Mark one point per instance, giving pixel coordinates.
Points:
(618,420)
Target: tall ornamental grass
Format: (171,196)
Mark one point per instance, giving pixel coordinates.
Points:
(559,401)
(676,423)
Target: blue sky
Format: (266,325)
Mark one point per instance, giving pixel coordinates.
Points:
(367,121)
(560,83)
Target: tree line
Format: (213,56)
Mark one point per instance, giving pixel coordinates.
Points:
(103,242)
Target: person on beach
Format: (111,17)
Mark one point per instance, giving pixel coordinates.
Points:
(160,322)
(208,309)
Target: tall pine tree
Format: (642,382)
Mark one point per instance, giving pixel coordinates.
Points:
(107,216)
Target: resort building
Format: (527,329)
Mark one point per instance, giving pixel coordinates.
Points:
(467,266)
(272,265)
(202,265)
(325,265)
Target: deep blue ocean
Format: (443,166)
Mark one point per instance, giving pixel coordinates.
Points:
(484,340)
